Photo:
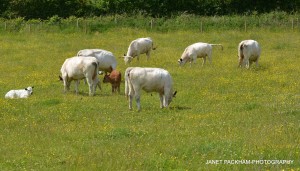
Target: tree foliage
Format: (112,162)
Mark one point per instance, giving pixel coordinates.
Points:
(44,9)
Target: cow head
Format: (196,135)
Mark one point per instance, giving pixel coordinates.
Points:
(171,96)
(106,78)
(174,94)
(60,78)
(180,62)
(127,59)
(29,89)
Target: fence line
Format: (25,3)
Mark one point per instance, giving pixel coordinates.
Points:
(86,26)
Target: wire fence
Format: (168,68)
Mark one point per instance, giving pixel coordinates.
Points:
(201,24)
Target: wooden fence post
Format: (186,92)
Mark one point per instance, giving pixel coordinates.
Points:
(293,24)
(201,27)
(151,24)
(85,27)
(245,26)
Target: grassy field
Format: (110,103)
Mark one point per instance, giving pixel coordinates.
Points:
(221,112)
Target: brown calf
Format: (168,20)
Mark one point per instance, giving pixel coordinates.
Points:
(115,80)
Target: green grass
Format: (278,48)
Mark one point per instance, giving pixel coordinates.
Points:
(221,112)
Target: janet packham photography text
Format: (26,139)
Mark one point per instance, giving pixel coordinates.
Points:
(250,162)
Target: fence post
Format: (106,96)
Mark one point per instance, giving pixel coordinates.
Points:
(245,26)
(201,27)
(85,27)
(77,23)
(293,24)
(5,26)
(151,24)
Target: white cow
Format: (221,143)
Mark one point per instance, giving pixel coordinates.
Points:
(107,61)
(77,68)
(137,47)
(149,80)
(248,52)
(197,50)
(22,93)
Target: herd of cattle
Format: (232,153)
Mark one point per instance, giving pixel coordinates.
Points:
(89,62)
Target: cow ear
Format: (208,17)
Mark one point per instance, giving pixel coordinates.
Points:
(174,94)
(26,89)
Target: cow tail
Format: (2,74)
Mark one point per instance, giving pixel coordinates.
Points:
(95,70)
(241,53)
(127,82)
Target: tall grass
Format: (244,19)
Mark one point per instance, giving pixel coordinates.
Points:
(270,21)
(221,112)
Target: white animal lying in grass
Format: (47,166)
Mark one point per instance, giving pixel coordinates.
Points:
(22,93)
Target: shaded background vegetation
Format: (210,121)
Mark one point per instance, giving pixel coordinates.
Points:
(44,9)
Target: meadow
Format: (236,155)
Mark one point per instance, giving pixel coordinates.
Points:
(221,112)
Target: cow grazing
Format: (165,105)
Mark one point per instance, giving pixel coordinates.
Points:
(137,47)
(248,52)
(149,80)
(115,80)
(22,93)
(197,50)
(77,68)
(106,59)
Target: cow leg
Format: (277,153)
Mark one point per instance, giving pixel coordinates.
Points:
(130,101)
(148,55)
(161,97)
(137,98)
(76,86)
(98,83)
(119,89)
(204,61)
(66,86)
(247,64)
(191,61)
(131,92)
(112,88)
(138,101)
(91,86)
(166,100)
(256,62)
(209,58)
